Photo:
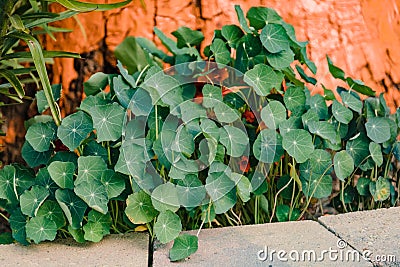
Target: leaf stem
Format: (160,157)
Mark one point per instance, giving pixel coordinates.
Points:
(4,217)
(156,118)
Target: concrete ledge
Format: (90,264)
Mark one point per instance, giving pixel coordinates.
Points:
(240,246)
(114,250)
(376,231)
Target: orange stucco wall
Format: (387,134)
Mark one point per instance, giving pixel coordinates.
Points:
(361,36)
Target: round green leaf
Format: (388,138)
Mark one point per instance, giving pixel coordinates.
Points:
(358,149)
(141,104)
(317,186)
(104,219)
(308,117)
(93,231)
(191,111)
(380,189)
(93,148)
(65,156)
(96,83)
(17,223)
(212,95)
(294,98)
(7,192)
(289,125)
(252,45)
(31,200)
(224,113)
(281,60)
(376,153)
(53,212)
(363,186)
(122,90)
(232,34)
(39,136)
(341,113)
(260,16)
(378,129)
(90,168)
(188,37)
(183,142)
(268,146)
(274,38)
(210,129)
(43,179)
(139,208)
(221,54)
(165,197)
(351,101)
(273,114)
(283,213)
(40,228)
(24,178)
(74,129)
(218,185)
(234,139)
(318,104)
(131,159)
(91,101)
(323,129)
(184,246)
(34,158)
(263,78)
(191,191)
(108,120)
(62,173)
(73,207)
(298,143)
(243,186)
(343,164)
(320,161)
(94,193)
(226,202)
(77,234)
(113,182)
(167,227)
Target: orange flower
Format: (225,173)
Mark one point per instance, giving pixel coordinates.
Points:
(249,116)
(244,164)
(198,98)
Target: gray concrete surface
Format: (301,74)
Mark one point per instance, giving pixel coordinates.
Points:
(240,246)
(374,232)
(333,241)
(114,250)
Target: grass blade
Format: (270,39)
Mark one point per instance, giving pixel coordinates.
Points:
(38,59)
(14,81)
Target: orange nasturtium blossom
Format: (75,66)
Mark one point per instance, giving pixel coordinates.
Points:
(198,97)
(249,116)
(244,164)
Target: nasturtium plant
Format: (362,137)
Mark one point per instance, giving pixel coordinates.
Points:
(233,138)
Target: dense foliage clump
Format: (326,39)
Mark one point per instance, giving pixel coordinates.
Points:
(234,139)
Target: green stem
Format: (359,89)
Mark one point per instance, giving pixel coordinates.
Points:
(156,117)
(342,196)
(109,153)
(256,210)
(4,216)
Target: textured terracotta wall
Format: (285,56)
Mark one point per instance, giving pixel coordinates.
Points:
(361,36)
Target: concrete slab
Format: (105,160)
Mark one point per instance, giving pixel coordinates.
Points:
(249,245)
(114,250)
(376,231)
